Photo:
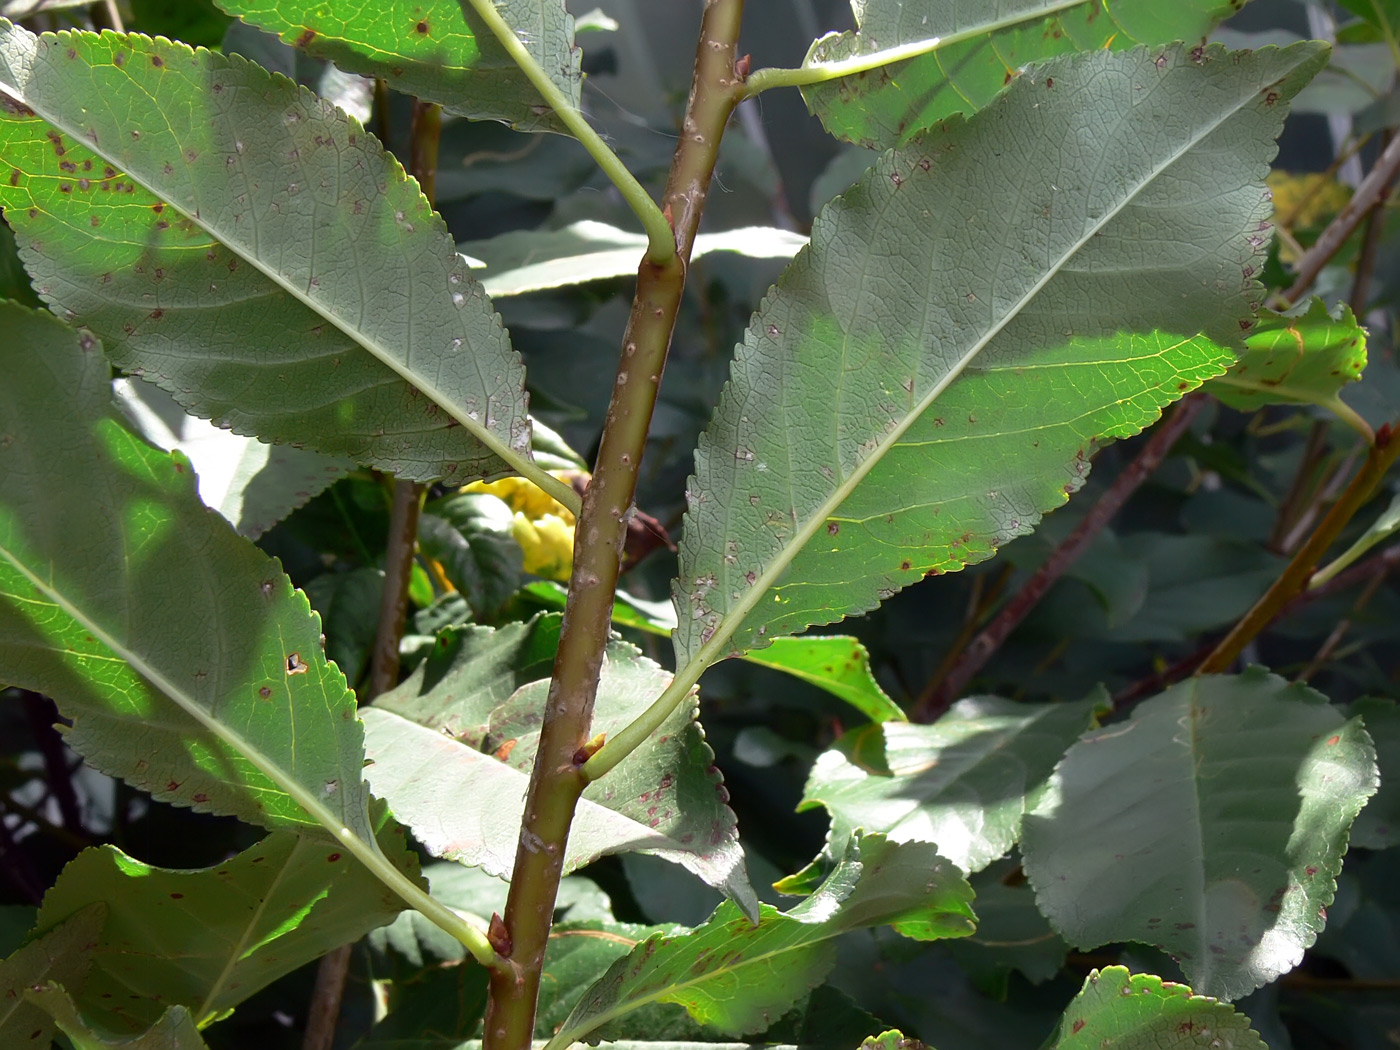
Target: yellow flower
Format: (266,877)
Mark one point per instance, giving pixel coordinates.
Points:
(523,496)
(547,543)
(543,527)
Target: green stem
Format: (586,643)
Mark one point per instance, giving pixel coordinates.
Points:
(763,79)
(1335,405)
(1295,576)
(661,244)
(557,779)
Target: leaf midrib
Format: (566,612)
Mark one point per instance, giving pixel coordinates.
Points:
(501,449)
(822,933)
(138,662)
(710,651)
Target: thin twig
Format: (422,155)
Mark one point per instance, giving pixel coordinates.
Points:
(1371,192)
(557,778)
(975,656)
(1295,575)
(1362,573)
(1293,507)
(1329,646)
(980,603)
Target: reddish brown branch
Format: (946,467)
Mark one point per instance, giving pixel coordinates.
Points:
(991,638)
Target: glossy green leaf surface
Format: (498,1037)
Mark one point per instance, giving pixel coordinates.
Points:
(428,48)
(175,1030)
(459,780)
(963,783)
(189,665)
(209,938)
(62,954)
(266,262)
(1212,825)
(1142,1012)
(836,663)
(932,373)
(1301,358)
(971,49)
(736,977)
(469,533)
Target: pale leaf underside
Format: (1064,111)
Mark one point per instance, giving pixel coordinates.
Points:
(189,665)
(255,252)
(934,370)
(666,798)
(1212,825)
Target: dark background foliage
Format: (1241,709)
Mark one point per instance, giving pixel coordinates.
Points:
(1189,554)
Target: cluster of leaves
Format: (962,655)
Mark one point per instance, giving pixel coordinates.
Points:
(1067,231)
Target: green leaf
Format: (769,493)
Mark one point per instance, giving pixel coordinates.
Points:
(963,783)
(1384,13)
(1143,1012)
(209,938)
(62,954)
(1378,826)
(836,663)
(891,1040)
(934,371)
(736,976)
(464,794)
(1212,825)
(1304,357)
(348,604)
(183,230)
(1384,527)
(534,260)
(967,52)
(1011,932)
(471,671)
(175,1030)
(469,533)
(429,49)
(188,664)
(251,483)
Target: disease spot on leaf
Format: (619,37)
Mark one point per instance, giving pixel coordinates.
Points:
(264,692)
(832,528)
(156,314)
(1078,1024)
(177,896)
(157,61)
(332,857)
(296,665)
(421,27)
(306,37)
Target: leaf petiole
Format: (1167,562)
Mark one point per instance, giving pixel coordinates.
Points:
(820,73)
(661,239)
